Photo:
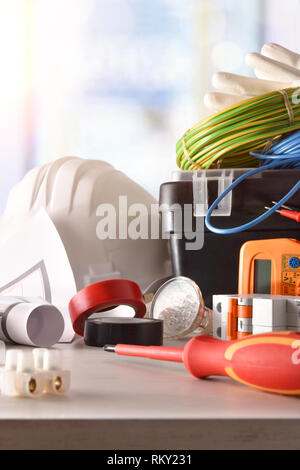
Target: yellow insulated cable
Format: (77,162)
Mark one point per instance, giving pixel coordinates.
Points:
(225,139)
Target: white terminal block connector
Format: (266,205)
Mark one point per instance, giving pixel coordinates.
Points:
(18,377)
(49,363)
(32,374)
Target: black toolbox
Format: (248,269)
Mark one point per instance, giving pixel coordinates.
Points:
(214,266)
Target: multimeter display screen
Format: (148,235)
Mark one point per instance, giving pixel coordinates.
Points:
(262,276)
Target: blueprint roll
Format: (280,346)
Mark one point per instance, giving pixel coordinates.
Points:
(30,321)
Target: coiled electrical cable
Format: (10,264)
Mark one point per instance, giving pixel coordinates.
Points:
(227,138)
(282,154)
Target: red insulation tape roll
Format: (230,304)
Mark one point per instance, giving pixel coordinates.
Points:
(103,296)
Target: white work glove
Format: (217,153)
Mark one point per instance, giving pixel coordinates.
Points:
(275,62)
(271,72)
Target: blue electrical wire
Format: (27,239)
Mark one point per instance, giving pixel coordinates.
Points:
(285,154)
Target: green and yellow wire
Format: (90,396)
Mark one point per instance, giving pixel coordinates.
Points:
(225,139)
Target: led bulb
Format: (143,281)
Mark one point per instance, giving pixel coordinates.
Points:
(179,303)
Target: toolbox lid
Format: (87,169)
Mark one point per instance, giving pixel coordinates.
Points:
(200,188)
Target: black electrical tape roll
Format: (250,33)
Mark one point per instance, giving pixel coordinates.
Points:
(113,330)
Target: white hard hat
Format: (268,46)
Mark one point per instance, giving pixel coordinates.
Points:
(71,189)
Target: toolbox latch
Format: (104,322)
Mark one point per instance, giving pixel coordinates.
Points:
(202,181)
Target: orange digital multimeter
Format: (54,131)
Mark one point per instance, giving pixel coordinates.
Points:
(270,267)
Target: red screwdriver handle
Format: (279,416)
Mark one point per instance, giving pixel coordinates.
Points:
(270,362)
(290,214)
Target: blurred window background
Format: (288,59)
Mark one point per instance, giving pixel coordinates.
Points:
(120,80)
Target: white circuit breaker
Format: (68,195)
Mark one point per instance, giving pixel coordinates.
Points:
(236,316)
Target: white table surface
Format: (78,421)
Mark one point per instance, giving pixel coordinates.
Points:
(118,402)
